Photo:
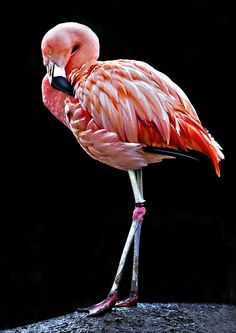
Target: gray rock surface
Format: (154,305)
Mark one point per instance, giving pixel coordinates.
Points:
(146,318)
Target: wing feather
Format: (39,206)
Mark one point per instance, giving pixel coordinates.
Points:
(120,93)
(142,105)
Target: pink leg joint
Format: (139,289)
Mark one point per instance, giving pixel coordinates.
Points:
(139,212)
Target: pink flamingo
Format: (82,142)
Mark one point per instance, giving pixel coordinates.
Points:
(123,113)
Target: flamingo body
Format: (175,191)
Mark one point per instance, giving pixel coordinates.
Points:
(119,110)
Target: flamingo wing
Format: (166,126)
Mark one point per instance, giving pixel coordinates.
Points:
(141,105)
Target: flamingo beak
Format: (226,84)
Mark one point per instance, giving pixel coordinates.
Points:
(58,80)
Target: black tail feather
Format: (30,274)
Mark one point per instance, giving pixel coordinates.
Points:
(193,155)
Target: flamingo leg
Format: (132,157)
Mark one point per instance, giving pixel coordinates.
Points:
(133,296)
(138,214)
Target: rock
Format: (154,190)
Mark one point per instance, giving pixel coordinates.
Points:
(145,318)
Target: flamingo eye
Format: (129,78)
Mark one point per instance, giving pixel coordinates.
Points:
(75,48)
(49,52)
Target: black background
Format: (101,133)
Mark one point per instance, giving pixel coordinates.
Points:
(65,217)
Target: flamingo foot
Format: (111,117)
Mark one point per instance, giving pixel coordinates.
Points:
(132,300)
(102,307)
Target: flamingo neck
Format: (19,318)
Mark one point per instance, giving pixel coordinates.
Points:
(54,100)
(88,50)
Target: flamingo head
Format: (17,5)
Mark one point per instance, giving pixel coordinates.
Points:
(65,47)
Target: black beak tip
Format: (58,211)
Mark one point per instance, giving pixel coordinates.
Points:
(62,84)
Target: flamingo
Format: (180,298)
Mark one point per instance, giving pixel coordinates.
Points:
(123,113)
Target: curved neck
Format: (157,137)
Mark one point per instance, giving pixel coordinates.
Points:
(88,49)
(54,100)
